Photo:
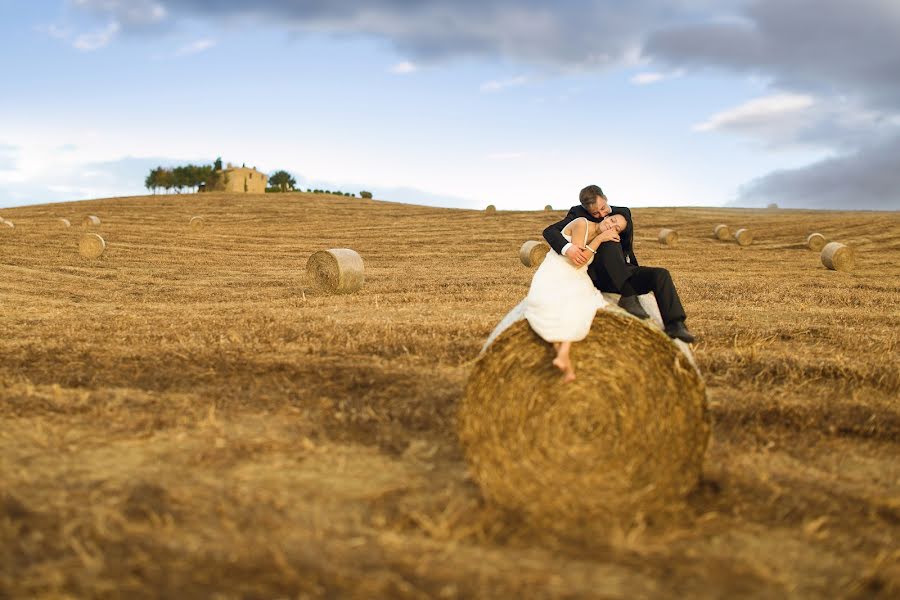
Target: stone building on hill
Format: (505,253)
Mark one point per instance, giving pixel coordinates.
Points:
(244,180)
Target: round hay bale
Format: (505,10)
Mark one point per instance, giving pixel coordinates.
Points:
(7,224)
(627,436)
(668,237)
(837,257)
(339,270)
(91,245)
(490,209)
(815,242)
(722,232)
(548,208)
(197,222)
(772,205)
(532,253)
(744,237)
(90,221)
(65,223)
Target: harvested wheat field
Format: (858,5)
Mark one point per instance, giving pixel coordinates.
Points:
(187,416)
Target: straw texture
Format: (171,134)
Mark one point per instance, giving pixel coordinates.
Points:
(339,270)
(91,245)
(668,237)
(197,222)
(815,242)
(90,221)
(627,436)
(743,237)
(838,257)
(532,253)
(722,232)
(64,223)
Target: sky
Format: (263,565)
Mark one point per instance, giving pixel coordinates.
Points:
(464,103)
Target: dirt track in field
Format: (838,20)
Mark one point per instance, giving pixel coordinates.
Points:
(188,417)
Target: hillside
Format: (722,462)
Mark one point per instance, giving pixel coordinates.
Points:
(187,416)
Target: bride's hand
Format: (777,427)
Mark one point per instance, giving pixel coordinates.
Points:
(610,235)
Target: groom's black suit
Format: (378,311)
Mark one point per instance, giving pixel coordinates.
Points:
(615,268)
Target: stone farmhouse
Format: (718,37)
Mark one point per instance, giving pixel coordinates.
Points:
(244,180)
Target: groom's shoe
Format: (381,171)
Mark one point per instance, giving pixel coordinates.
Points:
(678,331)
(632,305)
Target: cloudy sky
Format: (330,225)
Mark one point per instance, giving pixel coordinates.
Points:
(518,103)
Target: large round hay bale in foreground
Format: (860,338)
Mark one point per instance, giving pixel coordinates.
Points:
(668,237)
(197,222)
(91,245)
(744,237)
(815,242)
(627,436)
(532,253)
(490,209)
(722,232)
(837,257)
(339,270)
(90,221)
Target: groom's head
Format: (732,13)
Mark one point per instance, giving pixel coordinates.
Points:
(593,201)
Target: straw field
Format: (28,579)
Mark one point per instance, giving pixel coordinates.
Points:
(186,416)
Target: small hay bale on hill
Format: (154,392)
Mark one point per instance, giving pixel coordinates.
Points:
(532,253)
(772,205)
(815,242)
(548,208)
(722,232)
(90,221)
(339,270)
(668,237)
(7,224)
(64,223)
(617,441)
(197,222)
(91,245)
(838,257)
(743,237)
(490,209)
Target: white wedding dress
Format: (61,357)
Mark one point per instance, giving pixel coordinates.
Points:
(562,300)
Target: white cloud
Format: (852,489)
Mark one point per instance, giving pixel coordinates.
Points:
(758,111)
(498,85)
(196,47)
(655,77)
(96,39)
(404,68)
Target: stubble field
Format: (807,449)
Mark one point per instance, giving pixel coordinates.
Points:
(188,417)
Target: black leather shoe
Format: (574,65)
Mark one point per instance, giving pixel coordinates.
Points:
(678,331)
(632,305)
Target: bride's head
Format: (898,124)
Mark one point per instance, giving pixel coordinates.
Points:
(616,222)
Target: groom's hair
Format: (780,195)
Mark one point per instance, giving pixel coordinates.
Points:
(588,195)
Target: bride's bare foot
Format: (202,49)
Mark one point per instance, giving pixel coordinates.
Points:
(562,363)
(569,375)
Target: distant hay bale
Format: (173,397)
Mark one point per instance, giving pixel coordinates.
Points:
(7,224)
(772,205)
(339,270)
(91,245)
(668,237)
(744,237)
(837,257)
(722,232)
(490,209)
(815,242)
(622,439)
(90,221)
(64,223)
(532,253)
(548,208)
(197,222)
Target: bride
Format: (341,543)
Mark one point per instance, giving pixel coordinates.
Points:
(562,300)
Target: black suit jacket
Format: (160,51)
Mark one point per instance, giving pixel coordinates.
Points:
(554,236)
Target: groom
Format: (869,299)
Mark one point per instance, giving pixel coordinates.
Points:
(615,268)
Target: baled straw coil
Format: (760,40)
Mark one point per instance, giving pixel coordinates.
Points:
(532,253)
(339,270)
(815,242)
(91,245)
(64,223)
(837,257)
(197,222)
(722,232)
(90,221)
(490,209)
(668,237)
(743,237)
(7,224)
(627,436)
(548,208)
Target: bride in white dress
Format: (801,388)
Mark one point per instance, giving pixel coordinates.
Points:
(562,300)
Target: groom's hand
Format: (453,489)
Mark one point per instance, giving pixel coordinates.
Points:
(577,255)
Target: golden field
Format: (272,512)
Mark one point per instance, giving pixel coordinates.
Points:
(188,417)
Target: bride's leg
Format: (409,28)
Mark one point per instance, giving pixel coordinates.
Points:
(562,361)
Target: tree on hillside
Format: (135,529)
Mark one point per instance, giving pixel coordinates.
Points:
(282,180)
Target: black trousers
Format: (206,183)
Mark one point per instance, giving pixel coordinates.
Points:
(611,273)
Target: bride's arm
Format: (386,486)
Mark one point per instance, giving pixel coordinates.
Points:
(610,235)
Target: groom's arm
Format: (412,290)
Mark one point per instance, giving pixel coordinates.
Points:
(553,234)
(628,237)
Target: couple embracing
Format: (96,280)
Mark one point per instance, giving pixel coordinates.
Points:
(593,253)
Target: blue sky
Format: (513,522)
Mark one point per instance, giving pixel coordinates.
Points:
(518,104)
